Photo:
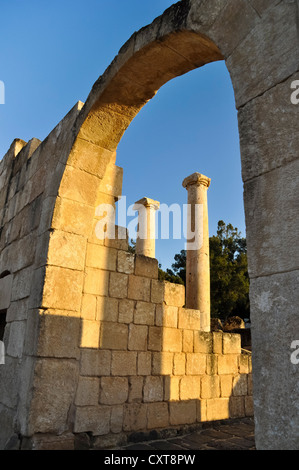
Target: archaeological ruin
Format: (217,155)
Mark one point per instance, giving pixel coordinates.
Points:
(96,347)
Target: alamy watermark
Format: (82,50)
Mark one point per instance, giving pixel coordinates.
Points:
(295,353)
(2,353)
(2,92)
(187,223)
(295,94)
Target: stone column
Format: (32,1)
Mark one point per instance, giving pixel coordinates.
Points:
(198,253)
(146,238)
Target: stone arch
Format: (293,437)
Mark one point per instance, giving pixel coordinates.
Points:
(258,41)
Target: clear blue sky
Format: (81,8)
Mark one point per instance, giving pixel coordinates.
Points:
(51,54)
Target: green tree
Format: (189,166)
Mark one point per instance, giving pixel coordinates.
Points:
(229,273)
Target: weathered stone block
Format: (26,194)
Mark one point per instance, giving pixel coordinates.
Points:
(124,363)
(101,257)
(107,309)
(135,417)
(114,390)
(188,338)
(218,408)
(183,412)
(66,250)
(157,415)
(162,363)
(126,311)
(210,386)
(231,343)
(228,364)
(217,342)
(226,385)
(196,364)
(125,262)
(203,342)
(87,392)
(146,267)
(172,340)
(157,291)
(174,294)
(167,316)
(237,407)
(96,282)
(117,417)
(179,364)
(240,385)
(59,336)
(90,334)
(144,364)
(190,388)
(189,319)
(144,313)
(138,337)
(95,363)
(155,338)
(94,419)
(139,288)
(62,289)
(114,336)
(153,389)
(118,286)
(89,307)
(135,389)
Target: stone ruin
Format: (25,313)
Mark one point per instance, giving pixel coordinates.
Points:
(96,347)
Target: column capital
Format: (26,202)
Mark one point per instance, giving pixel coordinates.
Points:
(147,202)
(198,179)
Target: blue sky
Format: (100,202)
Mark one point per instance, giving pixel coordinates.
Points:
(51,54)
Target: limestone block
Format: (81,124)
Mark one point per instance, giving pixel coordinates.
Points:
(15,345)
(21,286)
(188,338)
(157,291)
(155,338)
(179,364)
(89,307)
(203,342)
(174,294)
(251,64)
(70,216)
(250,384)
(212,364)
(218,408)
(231,343)
(237,407)
(5,291)
(183,412)
(59,336)
(210,386)
(17,311)
(112,181)
(125,262)
(96,282)
(117,417)
(135,417)
(144,313)
(87,392)
(114,336)
(162,363)
(118,285)
(114,390)
(244,364)
(189,319)
(157,415)
(271,202)
(240,385)
(66,250)
(146,267)
(249,406)
(62,289)
(217,342)
(172,388)
(135,389)
(196,364)
(49,410)
(126,311)
(90,334)
(101,257)
(120,241)
(94,419)
(95,363)
(90,158)
(153,389)
(137,337)
(124,363)
(167,316)
(144,363)
(172,340)
(275,143)
(139,288)
(190,388)
(107,309)
(226,385)
(201,406)
(79,186)
(228,364)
